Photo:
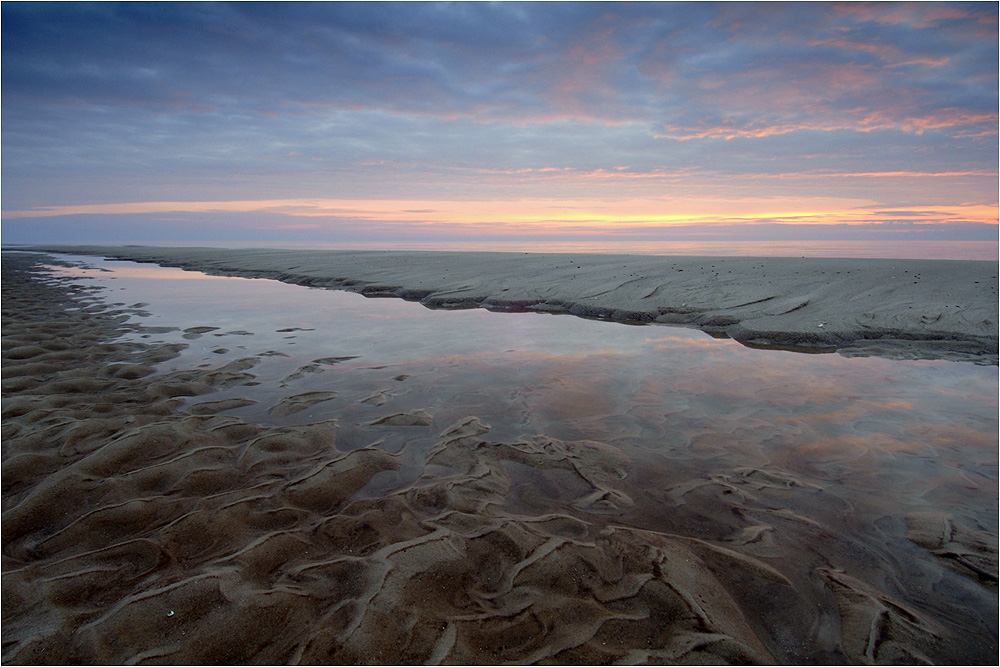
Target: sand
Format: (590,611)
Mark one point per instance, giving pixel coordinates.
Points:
(136,530)
(931,309)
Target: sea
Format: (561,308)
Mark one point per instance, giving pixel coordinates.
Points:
(885,248)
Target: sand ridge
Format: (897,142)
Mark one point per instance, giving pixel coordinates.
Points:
(936,309)
(138,531)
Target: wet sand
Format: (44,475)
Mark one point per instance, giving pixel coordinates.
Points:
(138,530)
(905,309)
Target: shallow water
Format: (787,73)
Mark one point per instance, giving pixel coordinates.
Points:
(822,455)
(869,423)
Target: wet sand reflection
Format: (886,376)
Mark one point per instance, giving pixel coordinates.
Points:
(805,499)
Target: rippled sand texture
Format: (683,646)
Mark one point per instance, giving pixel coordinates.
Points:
(908,309)
(135,531)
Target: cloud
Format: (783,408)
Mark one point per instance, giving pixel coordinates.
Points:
(109,103)
(536,62)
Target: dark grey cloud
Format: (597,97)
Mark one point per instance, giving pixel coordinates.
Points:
(604,61)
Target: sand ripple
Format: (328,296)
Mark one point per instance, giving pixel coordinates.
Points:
(137,532)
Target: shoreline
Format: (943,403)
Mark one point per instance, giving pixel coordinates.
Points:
(900,309)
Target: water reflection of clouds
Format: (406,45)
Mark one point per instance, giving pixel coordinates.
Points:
(129,270)
(678,392)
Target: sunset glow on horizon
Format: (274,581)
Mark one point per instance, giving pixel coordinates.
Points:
(539,215)
(375,121)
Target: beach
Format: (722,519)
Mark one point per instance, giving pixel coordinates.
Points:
(144,522)
(897,308)
(499,333)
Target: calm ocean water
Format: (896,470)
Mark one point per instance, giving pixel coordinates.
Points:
(970,250)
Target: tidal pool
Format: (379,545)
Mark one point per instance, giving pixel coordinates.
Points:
(808,463)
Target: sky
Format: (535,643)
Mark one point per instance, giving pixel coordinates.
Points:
(381,122)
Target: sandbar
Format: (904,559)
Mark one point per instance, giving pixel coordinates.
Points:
(896,308)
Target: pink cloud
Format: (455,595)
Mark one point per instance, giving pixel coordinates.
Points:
(914,14)
(857,120)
